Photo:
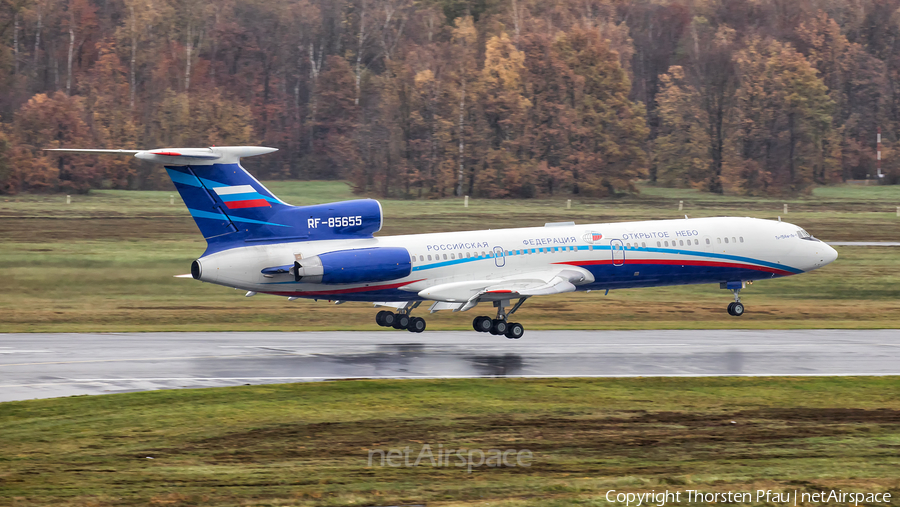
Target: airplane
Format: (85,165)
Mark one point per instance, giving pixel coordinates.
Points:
(258,243)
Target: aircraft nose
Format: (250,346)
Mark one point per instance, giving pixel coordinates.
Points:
(830,255)
(819,254)
(824,255)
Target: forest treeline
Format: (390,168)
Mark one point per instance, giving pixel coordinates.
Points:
(430,98)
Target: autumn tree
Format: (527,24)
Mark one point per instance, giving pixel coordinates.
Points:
(682,148)
(503,172)
(712,73)
(334,152)
(52,122)
(609,142)
(784,132)
(857,87)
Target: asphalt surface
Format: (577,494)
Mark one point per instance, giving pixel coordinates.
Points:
(52,365)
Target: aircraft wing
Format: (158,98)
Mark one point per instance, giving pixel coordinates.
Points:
(461,296)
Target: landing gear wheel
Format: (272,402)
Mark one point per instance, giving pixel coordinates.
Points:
(498,327)
(482,324)
(737,309)
(416,325)
(379,318)
(730,306)
(388,319)
(514,331)
(401,321)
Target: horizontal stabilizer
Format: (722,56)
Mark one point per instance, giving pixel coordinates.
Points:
(109,152)
(183,156)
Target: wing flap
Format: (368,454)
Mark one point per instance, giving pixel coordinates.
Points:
(538,283)
(557,285)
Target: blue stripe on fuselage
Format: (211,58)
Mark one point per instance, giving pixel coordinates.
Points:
(669,251)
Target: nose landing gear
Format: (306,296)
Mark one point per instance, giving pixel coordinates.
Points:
(736,309)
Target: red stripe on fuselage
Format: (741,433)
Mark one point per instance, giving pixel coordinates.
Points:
(712,264)
(344,291)
(253,203)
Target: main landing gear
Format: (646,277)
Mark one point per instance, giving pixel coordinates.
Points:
(402,319)
(500,326)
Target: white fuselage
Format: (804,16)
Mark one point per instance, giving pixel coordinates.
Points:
(616,255)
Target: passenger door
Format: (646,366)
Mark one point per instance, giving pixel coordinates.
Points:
(499,258)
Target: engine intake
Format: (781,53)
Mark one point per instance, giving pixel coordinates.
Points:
(363,265)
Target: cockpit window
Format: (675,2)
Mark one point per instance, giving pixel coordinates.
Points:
(802,234)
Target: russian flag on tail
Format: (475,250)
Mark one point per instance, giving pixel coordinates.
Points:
(241,196)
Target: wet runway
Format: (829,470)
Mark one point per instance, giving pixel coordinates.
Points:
(51,365)
(864,243)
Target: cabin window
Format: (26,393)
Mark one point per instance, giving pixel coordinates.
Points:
(591,248)
(643,245)
(707,241)
(719,240)
(742,239)
(733,240)
(468,254)
(658,243)
(445,256)
(696,241)
(726,240)
(667,243)
(421,258)
(681,242)
(452,256)
(429,257)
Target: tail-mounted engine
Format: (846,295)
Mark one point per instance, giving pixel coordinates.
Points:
(363,265)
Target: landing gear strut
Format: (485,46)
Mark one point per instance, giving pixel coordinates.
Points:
(402,319)
(500,325)
(736,309)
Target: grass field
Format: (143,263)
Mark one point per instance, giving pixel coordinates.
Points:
(105,263)
(308,444)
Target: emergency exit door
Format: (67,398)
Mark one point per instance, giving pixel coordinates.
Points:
(618,252)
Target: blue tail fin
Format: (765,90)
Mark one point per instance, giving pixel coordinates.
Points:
(233,209)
